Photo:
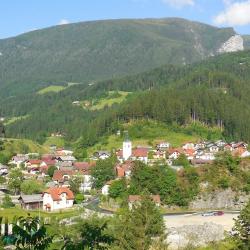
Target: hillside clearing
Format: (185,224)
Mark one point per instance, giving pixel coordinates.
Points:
(52,88)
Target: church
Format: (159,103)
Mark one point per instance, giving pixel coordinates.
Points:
(128,153)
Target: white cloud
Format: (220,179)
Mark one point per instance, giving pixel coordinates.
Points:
(63,21)
(179,3)
(235,14)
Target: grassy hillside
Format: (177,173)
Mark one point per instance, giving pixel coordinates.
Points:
(149,133)
(52,88)
(111,98)
(91,51)
(12,147)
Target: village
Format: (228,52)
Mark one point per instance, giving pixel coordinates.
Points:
(64,167)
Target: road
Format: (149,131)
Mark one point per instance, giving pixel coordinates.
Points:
(180,219)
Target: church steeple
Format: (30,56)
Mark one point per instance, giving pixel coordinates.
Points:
(127,147)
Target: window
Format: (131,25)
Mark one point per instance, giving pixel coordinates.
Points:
(58,202)
(67,202)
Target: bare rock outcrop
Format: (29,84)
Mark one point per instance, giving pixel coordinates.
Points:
(226,199)
(194,235)
(233,44)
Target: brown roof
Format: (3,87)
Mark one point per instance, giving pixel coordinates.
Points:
(135,198)
(84,167)
(55,193)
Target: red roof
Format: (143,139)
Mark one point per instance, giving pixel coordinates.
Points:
(140,152)
(58,174)
(56,192)
(122,168)
(49,162)
(173,150)
(34,161)
(135,198)
(189,152)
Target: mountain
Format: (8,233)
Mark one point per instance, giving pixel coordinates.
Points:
(88,52)
(246,39)
(214,92)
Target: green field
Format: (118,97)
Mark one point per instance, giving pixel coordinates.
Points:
(58,141)
(109,100)
(52,88)
(14,119)
(12,213)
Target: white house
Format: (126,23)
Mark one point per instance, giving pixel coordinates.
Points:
(105,188)
(206,157)
(174,154)
(188,145)
(163,145)
(57,198)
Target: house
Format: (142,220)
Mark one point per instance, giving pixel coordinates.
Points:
(163,146)
(102,155)
(228,147)
(63,152)
(135,199)
(84,168)
(77,103)
(220,143)
(190,153)
(124,169)
(188,145)
(140,154)
(174,153)
(29,202)
(18,159)
(61,176)
(239,145)
(66,158)
(158,154)
(105,188)
(33,164)
(56,198)
(206,156)
(213,148)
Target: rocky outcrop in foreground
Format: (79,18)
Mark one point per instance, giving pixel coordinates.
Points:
(194,235)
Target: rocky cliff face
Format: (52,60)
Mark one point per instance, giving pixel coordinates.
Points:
(233,44)
(226,199)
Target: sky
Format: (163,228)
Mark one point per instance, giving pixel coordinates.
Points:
(20,16)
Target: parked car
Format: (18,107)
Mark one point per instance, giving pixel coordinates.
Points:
(208,214)
(218,213)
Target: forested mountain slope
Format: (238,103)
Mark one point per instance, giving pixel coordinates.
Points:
(92,51)
(215,92)
(246,39)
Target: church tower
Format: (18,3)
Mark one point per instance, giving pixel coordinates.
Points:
(127,147)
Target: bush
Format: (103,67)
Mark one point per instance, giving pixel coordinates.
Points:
(79,198)
(7,202)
